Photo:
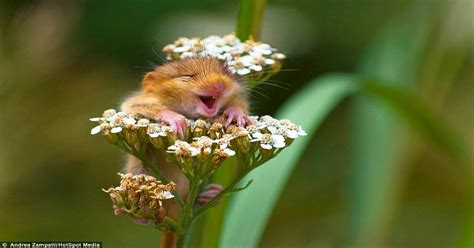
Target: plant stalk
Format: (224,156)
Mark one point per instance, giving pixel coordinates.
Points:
(249,20)
(187,214)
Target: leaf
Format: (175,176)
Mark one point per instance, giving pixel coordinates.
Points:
(393,60)
(250,209)
(245,222)
(420,117)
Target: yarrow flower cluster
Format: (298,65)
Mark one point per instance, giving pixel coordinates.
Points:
(203,137)
(141,196)
(242,58)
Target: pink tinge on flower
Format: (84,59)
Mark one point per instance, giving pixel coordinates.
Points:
(117,210)
(139,220)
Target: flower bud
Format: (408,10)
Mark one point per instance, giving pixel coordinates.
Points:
(112,138)
(131,136)
(216,130)
(200,128)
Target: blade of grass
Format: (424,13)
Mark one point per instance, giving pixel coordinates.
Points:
(417,114)
(250,209)
(245,223)
(377,141)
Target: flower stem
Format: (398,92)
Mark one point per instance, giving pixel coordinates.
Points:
(218,197)
(249,20)
(187,214)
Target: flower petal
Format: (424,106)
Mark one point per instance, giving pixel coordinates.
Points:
(116,130)
(96,130)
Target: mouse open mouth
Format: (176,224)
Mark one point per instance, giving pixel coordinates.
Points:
(209,102)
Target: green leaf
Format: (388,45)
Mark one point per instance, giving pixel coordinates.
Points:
(377,145)
(250,209)
(245,222)
(420,117)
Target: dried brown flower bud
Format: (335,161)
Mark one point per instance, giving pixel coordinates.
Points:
(141,196)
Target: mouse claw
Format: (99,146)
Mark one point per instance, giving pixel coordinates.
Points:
(176,121)
(212,190)
(237,115)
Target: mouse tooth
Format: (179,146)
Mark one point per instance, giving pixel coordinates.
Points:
(214,97)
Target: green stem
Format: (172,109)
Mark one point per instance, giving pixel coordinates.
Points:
(187,214)
(218,197)
(230,188)
(249,20)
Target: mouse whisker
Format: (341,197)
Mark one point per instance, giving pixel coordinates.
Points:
(163,59)
(256,90)
(274,85)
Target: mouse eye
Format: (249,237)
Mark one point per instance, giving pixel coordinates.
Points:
(190,75)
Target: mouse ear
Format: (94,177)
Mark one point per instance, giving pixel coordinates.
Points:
(149,81)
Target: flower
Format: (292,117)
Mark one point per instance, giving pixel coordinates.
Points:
(99,128)
(142,123)
(183,149)
(242,58)
(206,137)
(140,196)
(268,141)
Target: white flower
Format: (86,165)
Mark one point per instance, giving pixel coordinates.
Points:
(183,148)
(243,71)
(228,152)
(204,141)
(165,130)
(153,130)
(95,119)
(279,56)
(163,195)
(268,141)
(269,61)
(263,48)
(99,128)
(109,113)
(254,132)
(256,67)
(116,130)
(96,130)
(129,121)
(301,132)
(242,58)
(224,142)
(204,144)
(266,121)
(142,123)
(187,55)
(182,49)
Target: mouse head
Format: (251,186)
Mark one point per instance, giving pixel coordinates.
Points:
(195,87)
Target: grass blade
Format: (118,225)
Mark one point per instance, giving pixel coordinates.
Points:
(250,209)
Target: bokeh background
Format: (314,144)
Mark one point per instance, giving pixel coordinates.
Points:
(62,62)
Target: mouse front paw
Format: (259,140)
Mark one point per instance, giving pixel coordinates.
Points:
(175,120)
(238,116)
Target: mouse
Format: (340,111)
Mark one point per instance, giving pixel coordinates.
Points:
(191,88)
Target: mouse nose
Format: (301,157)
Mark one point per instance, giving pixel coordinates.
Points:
(217,88)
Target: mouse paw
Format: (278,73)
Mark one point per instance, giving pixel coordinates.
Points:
(237,115)
(212,190)
(175,120)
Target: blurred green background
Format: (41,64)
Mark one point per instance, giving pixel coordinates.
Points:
(62,62)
